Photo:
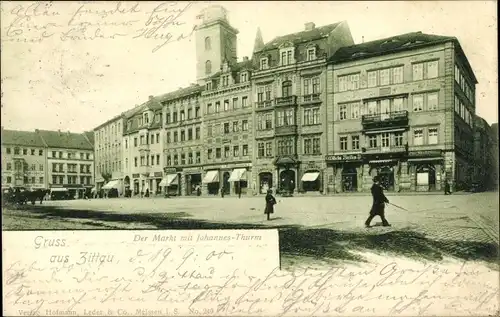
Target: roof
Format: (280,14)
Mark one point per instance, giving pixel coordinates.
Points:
(181,92)
(236,68)
(67,140)
(21,138)
(115,118)
(301,37)
(90,136)
(402,42)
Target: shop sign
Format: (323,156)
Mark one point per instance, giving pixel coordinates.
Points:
(340,158)
(158,174)
(172,170)
(135,175)
(430,153)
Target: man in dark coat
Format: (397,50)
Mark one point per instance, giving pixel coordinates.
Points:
(379,201)
(447,190)
(270,202)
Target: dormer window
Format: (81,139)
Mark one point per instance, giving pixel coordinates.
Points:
(244,77)
(311,53)
(129,124)
(287,57)
(140,121)
(208,85)
(225,80)
(146,118)
(264,63)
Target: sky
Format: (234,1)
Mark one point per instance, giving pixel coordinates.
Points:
(74,65)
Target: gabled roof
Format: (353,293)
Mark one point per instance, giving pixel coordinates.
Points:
(68,140)
(301,37)
(235,68)
(181,92)
(90,136)
(21,138)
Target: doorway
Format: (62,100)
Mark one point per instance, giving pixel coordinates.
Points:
(287,181)
(265,182)
(349,179)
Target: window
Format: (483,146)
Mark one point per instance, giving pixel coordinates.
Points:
(397,75)
(227,151)
(372,79)
(418,71)
(198,157)
(311,116)
(355,142)
(235,103)
(190,113)
(209,154)
(269,149)
(286,57)
(40,152)
(190,158)
(343,143)
(372,141)
(286,88)
(457,74)
(210,109)
(41,167)
(197,112)
(32,151)
(354,110)
(16,151)
(183,159)
(286,146)
(432,69)
(243,77)
(9,166)
(218,152)
(311,54)
(385,77)
(342,83)
(269,121)
(135,161)
(208,67)
(316,146)
(418,103)
(174,117)
(263,63)
(398,139)
(385,137)
(176,136)
(208,44)
(372,107)
(260,149)
(197,133)
(307,146)
(235,126)
(432,136)
(190,134)
(418,137)
(183,135)
(385,106)
(244,102)
(342,112)
(168,137)
(217,106)
(432,101)
(225,80)
(236,151)
(226,128)
(226,105)
(244,125)
(260,94)
(397,104)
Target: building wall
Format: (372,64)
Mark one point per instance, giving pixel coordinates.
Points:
(108,151)
(32,171)
(70,168)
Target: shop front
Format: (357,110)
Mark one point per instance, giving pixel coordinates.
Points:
(265,181)
(347,172)
(155,183)
(239,178)
(193,180)
(287,169)
(136,182)
(211,180)
(171,182)
(426,170)
(113,188)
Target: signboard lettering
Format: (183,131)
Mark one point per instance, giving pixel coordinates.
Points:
(348,157)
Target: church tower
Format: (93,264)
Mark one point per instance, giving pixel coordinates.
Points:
(215,42)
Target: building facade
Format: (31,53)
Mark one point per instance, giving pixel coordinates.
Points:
(108,152)
(70,161)
(143,148)
(183,143)
(484,169)
(24,160)
(288,87)
(398,108)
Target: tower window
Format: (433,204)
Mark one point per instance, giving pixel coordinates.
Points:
(208,44)
(208,67)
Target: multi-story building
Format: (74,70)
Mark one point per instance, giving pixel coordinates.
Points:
(401,108)
(484,171)
(183,144)
(143,147)
(288,88)
(24,160)
(494,154)
(227,107)
(70,161)
(108,153)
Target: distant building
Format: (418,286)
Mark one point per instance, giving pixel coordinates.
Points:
(183,144)
(484,170)
(402,108)
(289,94)
(70,161)
(143,148)
(494,154)
(108,152)
(24,160)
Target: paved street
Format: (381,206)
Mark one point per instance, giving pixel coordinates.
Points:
(460,225)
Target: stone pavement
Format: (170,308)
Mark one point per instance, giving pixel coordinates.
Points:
(457,217)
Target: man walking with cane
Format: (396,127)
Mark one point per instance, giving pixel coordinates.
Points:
(379,201)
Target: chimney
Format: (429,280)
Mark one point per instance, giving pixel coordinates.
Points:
(151,97)
(309,26)
(245,58)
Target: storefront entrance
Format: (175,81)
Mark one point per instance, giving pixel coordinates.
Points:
(386,174)
(193,182)
(265,182)
(425,177)
(226,186)
(287,181)
(349,179)
(311,181)
(136,187)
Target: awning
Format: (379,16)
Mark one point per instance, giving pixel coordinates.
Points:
(112,184)
(211,177)
(237,174)
(168,180)
(382,161)
(420,159)
(310,177)
(59,189)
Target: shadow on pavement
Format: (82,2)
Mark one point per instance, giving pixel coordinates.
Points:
(298,241)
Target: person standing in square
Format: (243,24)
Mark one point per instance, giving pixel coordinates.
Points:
(378,206)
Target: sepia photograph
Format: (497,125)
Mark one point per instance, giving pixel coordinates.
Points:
(250,158)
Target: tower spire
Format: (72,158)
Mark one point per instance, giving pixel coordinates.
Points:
(259,43)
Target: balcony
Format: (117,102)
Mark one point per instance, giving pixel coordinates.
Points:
(286,101)
(392,119)
(311,99)
(143,147)
(264,105)
(285,130)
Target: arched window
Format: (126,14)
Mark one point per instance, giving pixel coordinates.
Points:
(208,44)
(286,88)
(208,67)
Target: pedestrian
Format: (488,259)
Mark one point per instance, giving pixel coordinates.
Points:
(270,202)
(378,206)
(447,190)
(147,192)
(239,189)
(222,191)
